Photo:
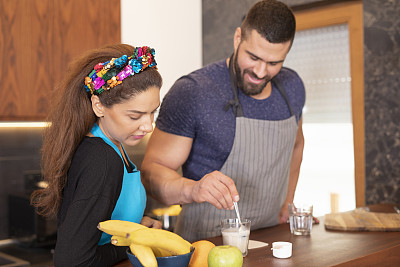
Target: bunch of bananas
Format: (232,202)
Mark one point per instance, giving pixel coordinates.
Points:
(145,243)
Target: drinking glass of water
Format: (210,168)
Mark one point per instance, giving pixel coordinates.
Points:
(300,218)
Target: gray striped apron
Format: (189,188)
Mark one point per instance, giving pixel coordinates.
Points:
(259,164)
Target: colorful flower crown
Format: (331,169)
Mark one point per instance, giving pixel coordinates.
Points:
(111,73)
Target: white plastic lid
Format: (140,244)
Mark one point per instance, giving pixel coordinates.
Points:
(282,250)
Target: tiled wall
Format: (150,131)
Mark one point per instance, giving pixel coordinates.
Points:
(382,81)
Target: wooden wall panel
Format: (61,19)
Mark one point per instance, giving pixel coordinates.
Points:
(38,38)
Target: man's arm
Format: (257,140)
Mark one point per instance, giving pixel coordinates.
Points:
(165,153)
(297,157)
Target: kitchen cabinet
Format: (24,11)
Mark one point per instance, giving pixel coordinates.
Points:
(38,38)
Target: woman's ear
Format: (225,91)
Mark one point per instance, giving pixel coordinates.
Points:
(97,106)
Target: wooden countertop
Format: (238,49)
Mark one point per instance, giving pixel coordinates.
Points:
(324,247)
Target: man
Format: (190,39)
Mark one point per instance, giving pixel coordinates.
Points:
(235,128)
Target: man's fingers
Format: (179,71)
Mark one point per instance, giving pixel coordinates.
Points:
(230,185)
(217,189)
(213,200)
(225,190)
(222,195)
(214,192)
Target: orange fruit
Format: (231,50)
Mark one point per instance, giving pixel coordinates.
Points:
(200,254)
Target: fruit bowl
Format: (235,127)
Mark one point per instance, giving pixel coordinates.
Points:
(171,261)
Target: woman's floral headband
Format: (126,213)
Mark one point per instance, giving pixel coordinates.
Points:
(111,73)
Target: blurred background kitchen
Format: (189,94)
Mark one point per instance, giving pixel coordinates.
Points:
(347,52)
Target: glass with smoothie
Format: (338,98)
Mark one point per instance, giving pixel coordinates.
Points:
(236,234)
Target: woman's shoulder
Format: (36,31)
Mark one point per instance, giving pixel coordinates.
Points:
(94,152)
(95,147)
(94,162)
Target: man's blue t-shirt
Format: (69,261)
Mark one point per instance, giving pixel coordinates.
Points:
(194,107)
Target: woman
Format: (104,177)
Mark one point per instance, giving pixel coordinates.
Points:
(108,98)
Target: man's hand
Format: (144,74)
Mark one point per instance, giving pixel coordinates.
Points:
(217,189)
(151,223)
(284,213)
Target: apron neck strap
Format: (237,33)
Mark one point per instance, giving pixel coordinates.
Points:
(234,103)
(283,93)
(97,132)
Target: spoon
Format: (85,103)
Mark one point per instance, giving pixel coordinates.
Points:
(237,212)
(242,228)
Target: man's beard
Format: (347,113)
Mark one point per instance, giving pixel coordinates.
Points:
(249,88)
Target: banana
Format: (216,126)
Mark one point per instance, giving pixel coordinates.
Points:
(144,254)
(173,210)
(164,239)
(119,228)
(120,241)
(159,252)
(123,241)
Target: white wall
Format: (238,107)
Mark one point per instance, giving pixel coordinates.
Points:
(172,28)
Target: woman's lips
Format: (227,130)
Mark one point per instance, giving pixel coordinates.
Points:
(138,137)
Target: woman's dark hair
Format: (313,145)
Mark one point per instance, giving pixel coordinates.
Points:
(71,117)
(273,20)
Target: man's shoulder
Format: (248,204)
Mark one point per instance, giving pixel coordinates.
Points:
(207,74)
(211,68)
(294,88)
(288,74)
(207,80)
(290,80)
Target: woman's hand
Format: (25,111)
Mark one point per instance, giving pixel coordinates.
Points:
(151,223)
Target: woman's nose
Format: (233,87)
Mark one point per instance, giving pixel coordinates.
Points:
(147,125)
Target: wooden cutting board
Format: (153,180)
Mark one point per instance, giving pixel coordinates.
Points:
(362,221)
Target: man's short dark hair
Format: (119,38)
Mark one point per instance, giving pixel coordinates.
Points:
(272,19)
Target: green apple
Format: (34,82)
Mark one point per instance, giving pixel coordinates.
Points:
(225,256)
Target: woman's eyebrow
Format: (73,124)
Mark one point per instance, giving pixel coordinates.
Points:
(140,112)
(136,111)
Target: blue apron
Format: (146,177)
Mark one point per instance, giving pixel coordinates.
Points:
(132,199)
